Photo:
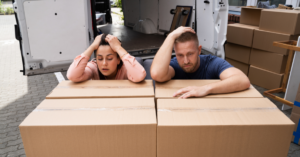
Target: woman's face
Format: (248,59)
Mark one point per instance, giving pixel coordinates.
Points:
(107,61)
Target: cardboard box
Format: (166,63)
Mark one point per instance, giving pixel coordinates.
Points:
(237,52)
(250,16)
(102,89)
(222,127)
(243,67)
(167,89)
(263,40)
(240,34)
(267,60)
(280,20)
(264,78)
(91,127)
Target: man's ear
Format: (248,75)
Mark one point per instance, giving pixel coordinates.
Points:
(199,49)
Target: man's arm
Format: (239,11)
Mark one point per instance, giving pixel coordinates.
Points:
(161,70)
(232,80)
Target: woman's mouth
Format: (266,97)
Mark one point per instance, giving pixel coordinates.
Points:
(105,69)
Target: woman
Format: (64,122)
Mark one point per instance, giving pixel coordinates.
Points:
(112,62)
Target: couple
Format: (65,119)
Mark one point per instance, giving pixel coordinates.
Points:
(114,62)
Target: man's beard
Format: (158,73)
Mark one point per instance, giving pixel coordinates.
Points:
(191,68)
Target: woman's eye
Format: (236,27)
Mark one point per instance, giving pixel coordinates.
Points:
(100,59)
(109,59)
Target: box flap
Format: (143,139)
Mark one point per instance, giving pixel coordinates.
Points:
(167,89)
(207,112)
(102,89)
(82,112)
(250,16)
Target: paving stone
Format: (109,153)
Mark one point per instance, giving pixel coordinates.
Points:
(15,142)
(8,149)
(3,145)
(16,153)
(8,138)
(13,133)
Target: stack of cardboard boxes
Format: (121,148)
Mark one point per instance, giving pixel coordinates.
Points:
(250,48)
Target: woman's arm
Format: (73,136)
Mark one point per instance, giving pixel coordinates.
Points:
(79,71)
(135,71)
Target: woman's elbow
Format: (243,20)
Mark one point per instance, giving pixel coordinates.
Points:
(138,78)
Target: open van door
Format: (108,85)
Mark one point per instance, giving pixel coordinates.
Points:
(209,19)
(53,32)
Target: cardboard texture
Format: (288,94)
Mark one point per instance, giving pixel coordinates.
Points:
(167,89)
(244,127)
(240,34)
(237,52)
(263,40)
(91,127)
(243,67)
(267,60)
(250,16)
(102,89)
(280,20)
(264,78)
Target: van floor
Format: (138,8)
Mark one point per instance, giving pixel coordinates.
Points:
(131,40)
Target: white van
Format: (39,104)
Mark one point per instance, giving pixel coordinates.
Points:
(53,32)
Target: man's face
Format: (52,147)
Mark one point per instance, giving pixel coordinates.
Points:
(187,55)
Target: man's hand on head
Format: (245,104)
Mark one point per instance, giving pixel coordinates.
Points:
(177,32)
(192,91)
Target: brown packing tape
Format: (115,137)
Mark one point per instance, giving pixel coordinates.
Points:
(102,87)
(216,109)
(94,109)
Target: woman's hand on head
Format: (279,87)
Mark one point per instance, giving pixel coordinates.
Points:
(114,42)
(96,42)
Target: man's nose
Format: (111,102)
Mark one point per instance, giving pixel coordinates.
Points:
(186,60)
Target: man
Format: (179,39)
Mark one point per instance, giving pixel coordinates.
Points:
(189,64)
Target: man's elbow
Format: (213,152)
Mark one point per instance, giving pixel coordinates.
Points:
(156,76)
(245,83)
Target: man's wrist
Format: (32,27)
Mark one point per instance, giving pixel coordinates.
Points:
(208,89)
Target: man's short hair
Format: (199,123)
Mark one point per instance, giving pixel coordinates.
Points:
(187,36)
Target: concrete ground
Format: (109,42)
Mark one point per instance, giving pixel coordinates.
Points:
(19,94)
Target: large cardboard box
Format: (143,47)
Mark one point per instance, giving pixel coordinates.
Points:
(91,127)
(243,67)
(237,52)
(264,78)
(263,40)
(295,117)
(102,89)
(222,127)
(267,60)
(280,20)
(250,16)
(240,34)
(167,89)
